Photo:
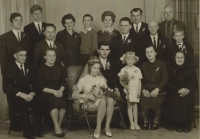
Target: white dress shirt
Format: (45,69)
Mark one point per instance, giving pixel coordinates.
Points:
(156,38)
(103,61)
(40,24)
(16,34)
(126,36)
(139,26)
(48,42)
(19,65)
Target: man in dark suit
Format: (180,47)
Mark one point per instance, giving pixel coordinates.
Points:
(160,43)
(20,90)
(139,28)
(166,27)
(41,47)
(10,40)
(123,43)
(34,29)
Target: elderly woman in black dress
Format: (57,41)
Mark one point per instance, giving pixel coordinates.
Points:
(180,88)
(51,82)
(108,32)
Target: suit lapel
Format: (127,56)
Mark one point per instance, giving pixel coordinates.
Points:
(13,36)
(141,28)
(19,70)
(34,27)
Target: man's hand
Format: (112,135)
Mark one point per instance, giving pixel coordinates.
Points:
(154,93)
(146,93)
(183,92)
(30,97)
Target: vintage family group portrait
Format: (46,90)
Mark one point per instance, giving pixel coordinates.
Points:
(142,75)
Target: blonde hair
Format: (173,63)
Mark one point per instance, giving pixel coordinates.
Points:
(130,54)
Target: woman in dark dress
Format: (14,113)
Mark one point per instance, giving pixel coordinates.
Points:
(70,40)
(108,32)
(180,88)
(51,82)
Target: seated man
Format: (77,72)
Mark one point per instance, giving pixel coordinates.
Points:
(155,78)
(20,90)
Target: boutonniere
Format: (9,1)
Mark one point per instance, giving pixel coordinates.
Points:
(108,65)
(157,69)
(111,33)
(163,46)
(129,41)
(143,30)
(184,48)
(75,36)
(27,70)
(23,35)
(54,46)
(174,26)
(159,42)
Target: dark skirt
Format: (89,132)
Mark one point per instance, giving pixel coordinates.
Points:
(180,110)
(52,102)
(151,102)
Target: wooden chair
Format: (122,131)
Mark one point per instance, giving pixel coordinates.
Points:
(73,74)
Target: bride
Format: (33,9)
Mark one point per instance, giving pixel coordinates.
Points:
(89,88)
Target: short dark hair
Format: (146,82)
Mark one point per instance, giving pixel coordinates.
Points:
(150,46)
(125,19)
(67,16)
(35,7)
(105,43)
(108,13)
(136,10)
(14,15)
(175,30)
(50,49)
(49,25)
(88,15)
(19,49)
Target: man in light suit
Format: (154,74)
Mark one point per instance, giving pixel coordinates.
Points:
(166,27)
(48,42)
(139,28)
(21,94)
(34,29)
(160,43)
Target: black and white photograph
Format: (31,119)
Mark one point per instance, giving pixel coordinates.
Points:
(99,69)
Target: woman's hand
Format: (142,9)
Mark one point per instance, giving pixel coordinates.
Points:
(154,93)
(55,93)
(91,97)
(183,92)
(60,93)
(146,93)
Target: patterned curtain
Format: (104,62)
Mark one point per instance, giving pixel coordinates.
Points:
(6,8)
(188,12)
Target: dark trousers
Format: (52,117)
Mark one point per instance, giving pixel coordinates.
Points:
(18,106)
(84,58)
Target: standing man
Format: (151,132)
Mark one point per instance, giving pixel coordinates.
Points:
(139,28)
(154,80)
(10,40)
(160,43)
(48,42)
(166,27)
(34,29)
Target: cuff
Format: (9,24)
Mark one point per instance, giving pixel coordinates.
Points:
(18,93)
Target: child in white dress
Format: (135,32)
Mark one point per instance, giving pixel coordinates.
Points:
(130,78)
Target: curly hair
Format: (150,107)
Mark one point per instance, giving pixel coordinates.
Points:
(130,54)
(108,13)
(92,61)
(67,16)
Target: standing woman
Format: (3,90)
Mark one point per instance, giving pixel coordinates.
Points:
(70,40)
(51,83)
(108,32)
(180,88)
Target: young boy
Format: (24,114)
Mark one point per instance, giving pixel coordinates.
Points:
(89,40)
(180,45)
(21,94)
(34,29)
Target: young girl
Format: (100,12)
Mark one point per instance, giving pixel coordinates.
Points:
(130,78)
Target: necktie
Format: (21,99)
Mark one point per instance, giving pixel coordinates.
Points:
(124,39)
(179,45)
(19,37)
(104,63)
(39,28)
(22,69)
(169,30)
(51,45)
(154,42)
(137,28)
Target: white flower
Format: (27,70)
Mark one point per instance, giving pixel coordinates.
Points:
(54,46)
(129,41)
(143,30)
(184,48)
(157,69)
(26,70)
(174,26)
(108,65)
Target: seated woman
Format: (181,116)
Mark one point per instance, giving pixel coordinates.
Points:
(51,82)
(180,88)
(89,89)
(108,32)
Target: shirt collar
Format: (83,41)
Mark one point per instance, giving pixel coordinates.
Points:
(110,29)
(125,35)
(154,36)
(16,32)
(19,64)
(36,23)
(102,59)
(171,21)
(89,29)
(48,42)
(180,43)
